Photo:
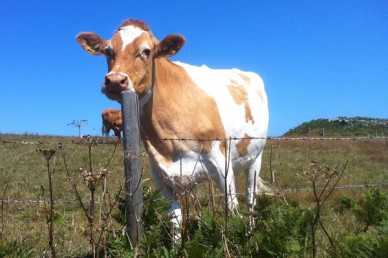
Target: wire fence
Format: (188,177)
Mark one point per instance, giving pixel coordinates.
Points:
(328,138)
(277,190)
(102,141)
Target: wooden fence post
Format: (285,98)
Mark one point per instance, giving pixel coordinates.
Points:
(132,166)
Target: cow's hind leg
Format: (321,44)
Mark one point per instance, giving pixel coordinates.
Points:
(253,183)
(220,169)
(226,183)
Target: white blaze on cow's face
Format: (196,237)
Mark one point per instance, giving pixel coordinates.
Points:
(130,54)
(128,34)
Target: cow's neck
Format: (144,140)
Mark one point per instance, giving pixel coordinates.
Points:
(177,109)
(171,91)
(158,108)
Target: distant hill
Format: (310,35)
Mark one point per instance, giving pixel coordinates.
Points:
(341,127)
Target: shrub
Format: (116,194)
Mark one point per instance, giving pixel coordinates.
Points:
(281,229)
(157,237)
(344,204)
(205,238)
(14,248)
(362,245)
(372,208)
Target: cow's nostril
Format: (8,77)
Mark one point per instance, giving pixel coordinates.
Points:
(124,81)
(107,81)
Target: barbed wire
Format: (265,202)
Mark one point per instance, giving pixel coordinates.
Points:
(100,141)
(276,190)
(308,189)
(329,138)
(79,142)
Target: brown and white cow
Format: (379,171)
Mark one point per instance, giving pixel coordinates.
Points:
(180,101)
(111,120)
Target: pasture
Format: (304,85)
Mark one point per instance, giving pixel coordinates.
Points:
(25,192)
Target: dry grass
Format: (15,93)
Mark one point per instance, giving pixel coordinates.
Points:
(367,160)
(23,171)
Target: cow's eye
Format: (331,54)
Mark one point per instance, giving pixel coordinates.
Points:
(109,52)
(145,53)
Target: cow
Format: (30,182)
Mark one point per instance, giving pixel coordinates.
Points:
(196,122)
(111,120)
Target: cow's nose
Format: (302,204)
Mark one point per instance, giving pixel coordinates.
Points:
(116,81)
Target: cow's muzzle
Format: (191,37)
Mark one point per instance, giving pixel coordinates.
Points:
(116,82)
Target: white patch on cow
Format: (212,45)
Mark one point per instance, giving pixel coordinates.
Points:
(129,34)
(194,167)
(215,83)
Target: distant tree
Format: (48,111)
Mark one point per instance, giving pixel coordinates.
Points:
(79,124)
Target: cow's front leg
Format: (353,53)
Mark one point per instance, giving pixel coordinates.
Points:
(174,212)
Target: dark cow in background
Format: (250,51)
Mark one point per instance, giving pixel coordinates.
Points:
(111,120)
(223,113)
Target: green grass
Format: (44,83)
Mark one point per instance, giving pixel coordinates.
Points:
(23,176)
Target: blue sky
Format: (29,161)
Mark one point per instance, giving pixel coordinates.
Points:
(318,59)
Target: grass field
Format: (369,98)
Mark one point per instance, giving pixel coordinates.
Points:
(23,176)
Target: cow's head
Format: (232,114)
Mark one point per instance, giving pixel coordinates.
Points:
(130,54)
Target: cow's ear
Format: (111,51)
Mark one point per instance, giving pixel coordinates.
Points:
(169,46)
(92,43)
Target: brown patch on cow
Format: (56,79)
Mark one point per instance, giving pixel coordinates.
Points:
(240,96)
(245,77)
(115,46)
(135,23)
(179,110)
(112,120)
(224,147)
(242,145)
